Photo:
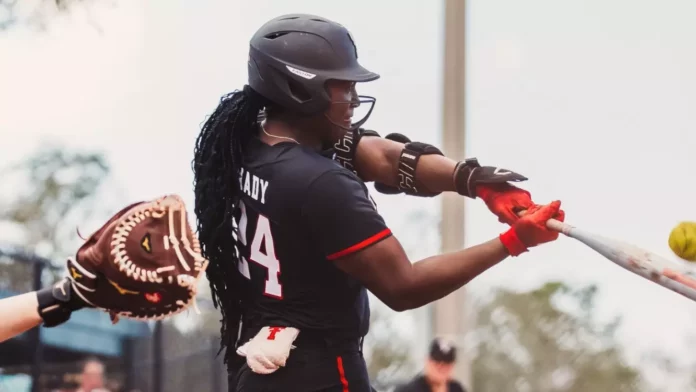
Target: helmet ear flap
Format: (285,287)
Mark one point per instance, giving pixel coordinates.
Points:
(293,93)
(291,88)
(298,91)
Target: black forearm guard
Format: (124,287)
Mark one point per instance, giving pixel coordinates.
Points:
(57,302)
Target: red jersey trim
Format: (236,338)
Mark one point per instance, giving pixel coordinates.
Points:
(360,245)
(342,373)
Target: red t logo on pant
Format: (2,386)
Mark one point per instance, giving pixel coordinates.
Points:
(273,332)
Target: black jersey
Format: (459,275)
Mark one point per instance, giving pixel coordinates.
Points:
(299,211)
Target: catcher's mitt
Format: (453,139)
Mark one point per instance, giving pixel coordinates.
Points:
(144,263)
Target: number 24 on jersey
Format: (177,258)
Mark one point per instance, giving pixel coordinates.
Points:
(267,259)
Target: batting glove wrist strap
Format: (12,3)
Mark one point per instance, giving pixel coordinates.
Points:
(511,241)
(57,302)
(469,174)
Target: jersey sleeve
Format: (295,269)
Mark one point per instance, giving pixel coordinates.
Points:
(340,216)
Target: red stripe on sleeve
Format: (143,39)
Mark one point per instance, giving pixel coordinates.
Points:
(360,245)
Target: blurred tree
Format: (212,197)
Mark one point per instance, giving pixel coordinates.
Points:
(387,351)
(670,370)
(47,194)
(15,276)
(548,340)
(36,13)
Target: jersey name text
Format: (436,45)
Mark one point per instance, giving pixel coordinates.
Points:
(253,186)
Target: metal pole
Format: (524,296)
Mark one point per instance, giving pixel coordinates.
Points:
(128,346)
(450,312)
(215,372)
(158,355)
(35,334)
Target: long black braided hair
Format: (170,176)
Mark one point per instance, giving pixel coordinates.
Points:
(218,156)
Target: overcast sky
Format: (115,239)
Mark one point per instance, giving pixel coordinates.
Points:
(592,100)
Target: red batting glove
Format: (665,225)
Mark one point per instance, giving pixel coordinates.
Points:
(530,230)
(505,201)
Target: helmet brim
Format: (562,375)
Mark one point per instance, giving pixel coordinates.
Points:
(357,73)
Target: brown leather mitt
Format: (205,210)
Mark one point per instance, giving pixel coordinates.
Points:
(144,263)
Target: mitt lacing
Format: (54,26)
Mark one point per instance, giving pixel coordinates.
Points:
(193,248)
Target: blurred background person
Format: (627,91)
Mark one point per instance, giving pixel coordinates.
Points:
(92,377)
(437,372)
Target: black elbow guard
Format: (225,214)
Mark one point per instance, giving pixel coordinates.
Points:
(408,163)
(344,150)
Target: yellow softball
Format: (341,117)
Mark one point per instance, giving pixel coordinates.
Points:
(682,240)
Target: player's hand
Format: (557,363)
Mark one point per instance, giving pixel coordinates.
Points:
(505,200)
(530,230)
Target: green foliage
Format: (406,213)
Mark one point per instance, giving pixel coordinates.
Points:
(48,191)
(37,14)
(388,352)
(549,340)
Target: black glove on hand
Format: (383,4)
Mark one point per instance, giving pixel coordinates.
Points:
(468,175)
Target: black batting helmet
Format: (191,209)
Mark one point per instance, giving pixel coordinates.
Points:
(292,56)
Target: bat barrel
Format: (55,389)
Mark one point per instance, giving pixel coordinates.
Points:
(633,259)
(638,261)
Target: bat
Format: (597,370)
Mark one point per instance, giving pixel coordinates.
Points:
(657,269)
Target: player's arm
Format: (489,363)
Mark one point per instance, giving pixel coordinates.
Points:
(343,221)
(397,165)
(388,273)
(19,314)
(50,306)
(377,159)
(386,270)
